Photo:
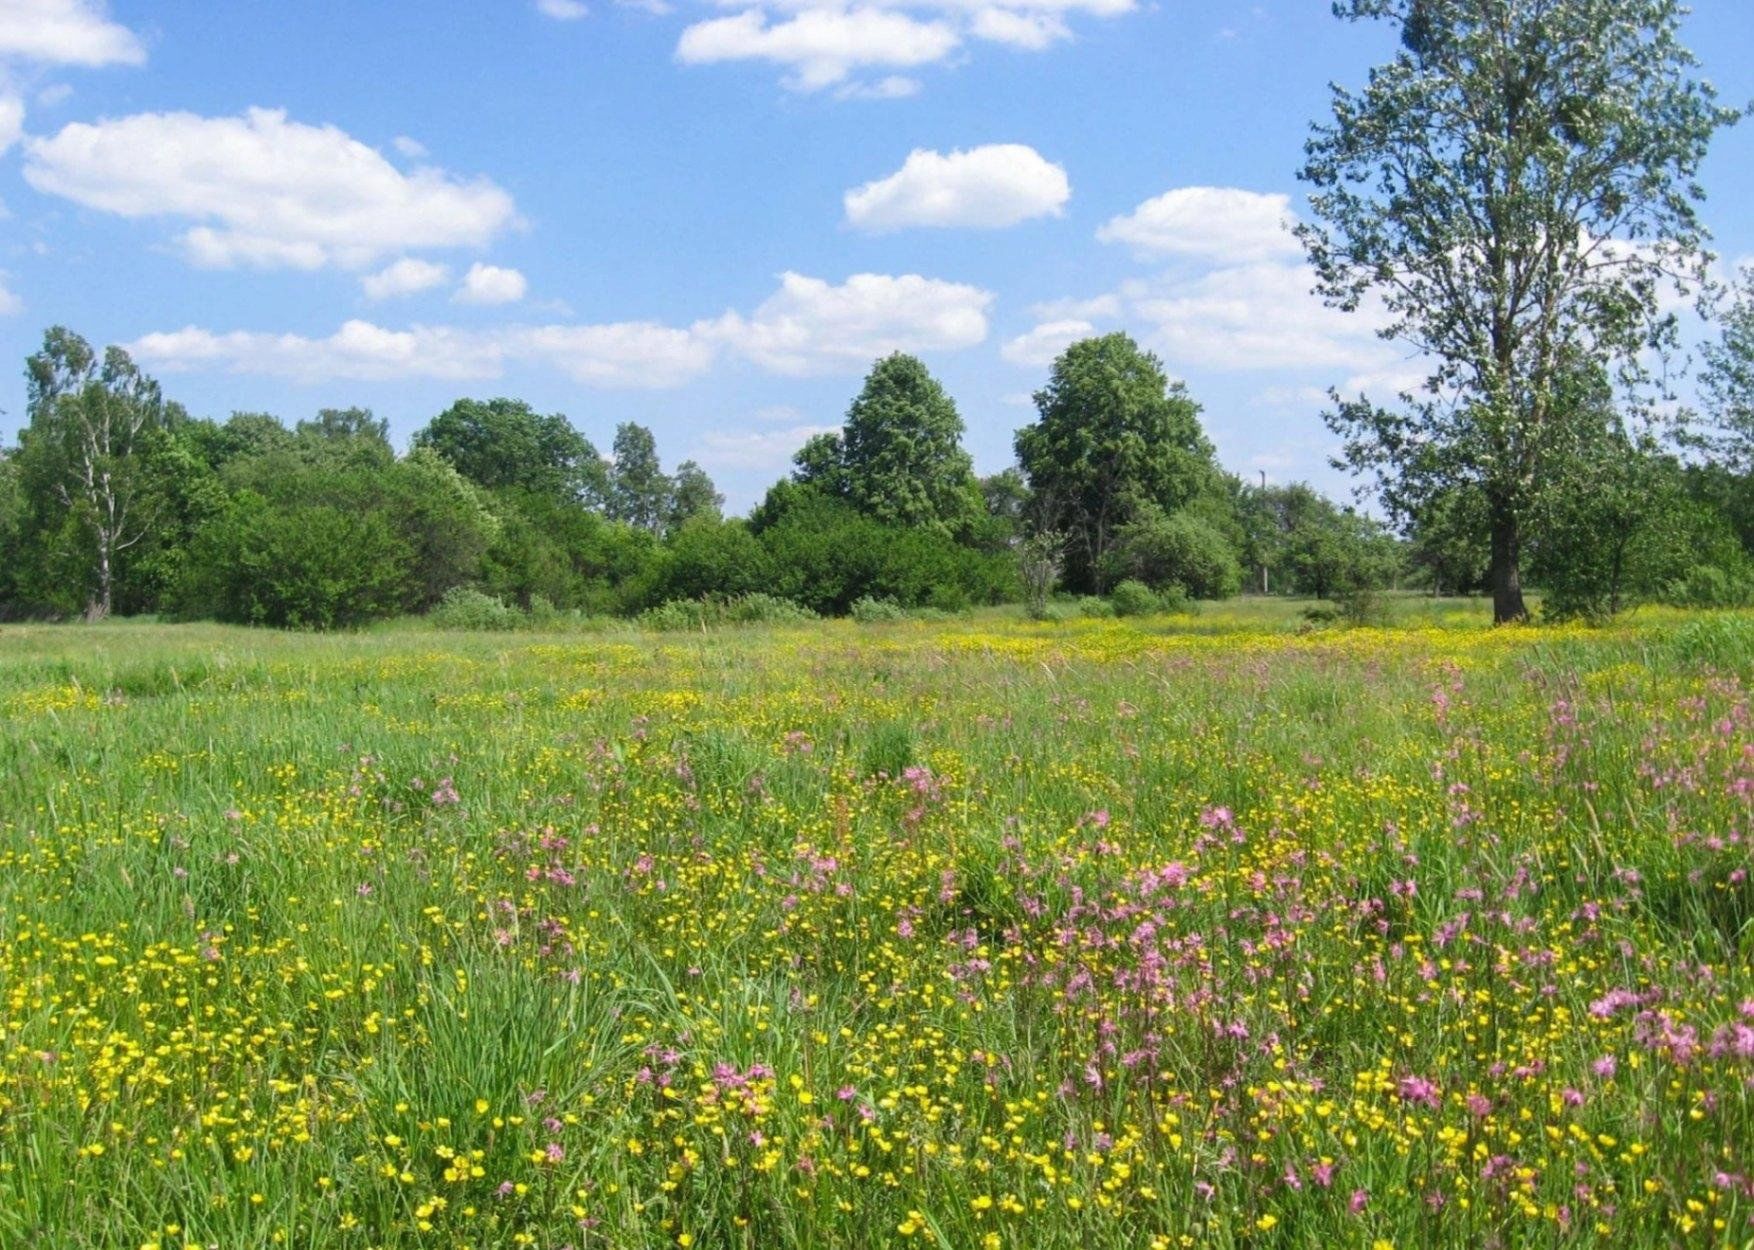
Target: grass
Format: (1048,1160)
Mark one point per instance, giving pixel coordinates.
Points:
(1208,930)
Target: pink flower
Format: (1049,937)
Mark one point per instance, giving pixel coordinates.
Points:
(1417,1089)
(1359,1200)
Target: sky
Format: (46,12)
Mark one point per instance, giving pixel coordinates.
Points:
(707,216)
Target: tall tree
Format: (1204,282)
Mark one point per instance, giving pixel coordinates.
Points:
(692,495)
(504,443)
(1729,375)
(901,450)
(1516,186)
(1113,434)
(92,421)
(639,491)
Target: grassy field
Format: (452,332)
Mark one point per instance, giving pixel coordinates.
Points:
(1186,932)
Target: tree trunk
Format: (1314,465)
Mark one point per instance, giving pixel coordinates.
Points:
(1506,576)
(97,606)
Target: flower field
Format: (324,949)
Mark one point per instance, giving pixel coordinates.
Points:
(975,934)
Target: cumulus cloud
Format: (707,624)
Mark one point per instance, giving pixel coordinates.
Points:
(66,32)
(1040,345)
(490,284)
(997,185)
(819,47)
(407,276)
(11,121)
(632,355)
(627,355)
(265,191)
(1227,225)
(561,10)
(809,326)
(1029,31)
(1260,316)
(823,42)
(766,450)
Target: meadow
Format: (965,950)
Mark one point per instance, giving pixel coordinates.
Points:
(1202,931)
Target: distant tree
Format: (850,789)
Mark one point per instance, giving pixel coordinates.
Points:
(1112,434)
(821,463)
(12,517)
(639,493)
(901,449)
(1450,541)
(692,495)
(1728,383)
(346,425)
(85,465)
(1514,185)
(504,444)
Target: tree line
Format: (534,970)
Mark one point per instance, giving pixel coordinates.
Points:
(1515,191)
(118,500)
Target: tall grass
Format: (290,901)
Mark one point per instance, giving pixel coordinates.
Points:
(1184,931)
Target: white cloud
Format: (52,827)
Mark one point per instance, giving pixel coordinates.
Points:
(268,191)
(490,284)
(407,276)
(997,185)
(1222,224)
(1029,31)
(765,450)
(1041,345)
(358,351)
(636,355)
(11,121)
(10,304)
(809,326)
(65,32)
(562,10)
(894,87)
(409,146)
(628,355)
(820,47)
(1248,317)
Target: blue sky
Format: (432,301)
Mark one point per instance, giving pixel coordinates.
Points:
(707,217)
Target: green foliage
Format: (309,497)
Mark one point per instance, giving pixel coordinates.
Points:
(826,554)
(692,495)
(465,608)
(869,611)
(504,444)
(1134,598)
(707,558)
(750,609)
(640,494)
(1473,185)
(311,566)
(1112,436)
(1161,550)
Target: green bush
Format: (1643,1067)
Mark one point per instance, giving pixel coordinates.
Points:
(1134,598)
(465,608)
(310,567)
(1709,586)
(1163,549)
(1095,607)
(871,611)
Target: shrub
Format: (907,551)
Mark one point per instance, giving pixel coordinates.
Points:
(1708,586)
(1162,549)
(1095,607)
(1134,598)
(870,611)
(465,608)
(311,567)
